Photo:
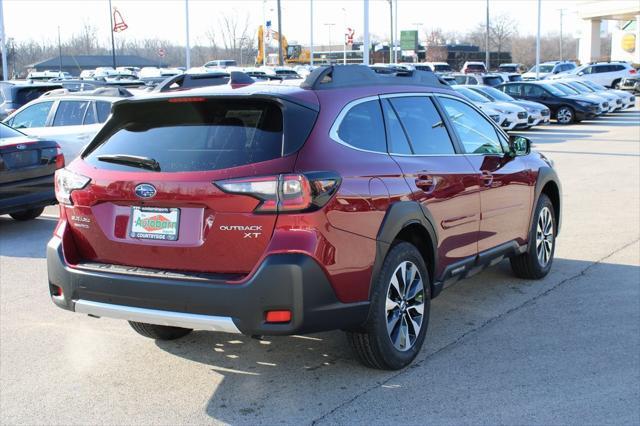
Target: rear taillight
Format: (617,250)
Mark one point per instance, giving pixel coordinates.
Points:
(287,192)
(66,182)
(59,158)
(633,71)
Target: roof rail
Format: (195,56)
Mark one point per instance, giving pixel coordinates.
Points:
(339,76)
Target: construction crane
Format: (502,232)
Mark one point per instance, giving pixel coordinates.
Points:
(293,53)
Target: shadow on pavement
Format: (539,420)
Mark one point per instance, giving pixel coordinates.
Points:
(25,239)
(284,373)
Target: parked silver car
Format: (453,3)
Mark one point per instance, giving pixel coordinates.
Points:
(539,115)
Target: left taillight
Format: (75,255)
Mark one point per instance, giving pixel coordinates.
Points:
(285,193)
(66,182)
(59,158)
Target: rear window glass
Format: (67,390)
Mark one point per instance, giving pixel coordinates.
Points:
(475,67)
(442,68)
(27,94)
(193,136)
(492,81)
(363,127)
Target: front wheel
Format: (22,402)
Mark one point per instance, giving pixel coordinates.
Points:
(565,115)
(536,262)
(400,304)
(27,214)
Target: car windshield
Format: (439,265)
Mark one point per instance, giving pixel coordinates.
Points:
(579,87)
(555,91)
(594,86)
(543,68)
(495,94)
(567,90)
(471,95)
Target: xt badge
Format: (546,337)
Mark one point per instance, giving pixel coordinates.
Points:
(249,231)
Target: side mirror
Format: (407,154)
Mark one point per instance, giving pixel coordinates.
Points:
(519,145)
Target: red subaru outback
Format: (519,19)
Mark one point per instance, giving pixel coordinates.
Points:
(348,203)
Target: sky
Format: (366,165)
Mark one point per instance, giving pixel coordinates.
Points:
(165,19)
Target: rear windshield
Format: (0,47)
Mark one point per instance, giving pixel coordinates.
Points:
(475,67)
(507,68)
(198,135)
(442,68)
(492,81)
(27,94)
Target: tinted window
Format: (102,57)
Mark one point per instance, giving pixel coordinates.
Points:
(32,116)
(601,68)
(616,67)
(193,136)
(363,127)
(587,70)
(512,89)
(442,68)
(422,125)
(516,77)
(25,95)
(104,109)
(472,80)
(396,138)
(478,136)
(460,79)
(70,113)
(90,115)
(533,91)
(492,81)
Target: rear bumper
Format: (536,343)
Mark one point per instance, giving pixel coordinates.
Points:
(27,194)
(292,282)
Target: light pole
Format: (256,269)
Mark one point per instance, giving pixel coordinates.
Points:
(311,32)
(396,35)
(3,46)
(366,45)
(561,43)
(113,43)
(280,58)
(391,31)
(538,42)
(188,46)
(344,37)
(486,41)
(418,25)
(329,25)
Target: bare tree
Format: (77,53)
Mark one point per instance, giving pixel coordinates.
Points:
(501,28)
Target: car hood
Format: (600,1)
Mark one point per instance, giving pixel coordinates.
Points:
(529,105)
(621,93)
(506,107)
(581,98)
(594,97)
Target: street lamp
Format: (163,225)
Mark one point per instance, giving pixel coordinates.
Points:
(329,25)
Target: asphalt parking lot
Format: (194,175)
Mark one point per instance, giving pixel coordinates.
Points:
(564,350)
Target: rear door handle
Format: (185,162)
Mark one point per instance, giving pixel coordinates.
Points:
(487,178)
(426,183)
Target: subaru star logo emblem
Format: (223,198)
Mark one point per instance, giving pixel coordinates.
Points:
(145,190)
(21,146)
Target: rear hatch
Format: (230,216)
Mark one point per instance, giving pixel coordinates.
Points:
(155,199)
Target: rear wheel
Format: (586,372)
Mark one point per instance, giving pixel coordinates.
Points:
(615,84)
(536,262)
(27,214)
(565,115)
(159,332)
(397,324)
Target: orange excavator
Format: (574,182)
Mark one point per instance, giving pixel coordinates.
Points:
(293,53)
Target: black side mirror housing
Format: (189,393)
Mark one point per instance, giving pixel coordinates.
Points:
(519,145)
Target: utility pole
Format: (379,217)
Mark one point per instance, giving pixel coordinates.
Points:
(486,41)
(113,42)
(311,32)
(59,54)
(329,25)
(396,34)
(280,58)
(391,31)
(186,19)
(366,45)
(344,36)
(538,43)
(561,16)
(3,46)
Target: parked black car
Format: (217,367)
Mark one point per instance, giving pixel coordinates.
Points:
(14,94)
(27,166)
(564,108)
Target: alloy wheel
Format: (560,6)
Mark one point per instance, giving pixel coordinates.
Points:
(405,306)
(544,236)
(565,116)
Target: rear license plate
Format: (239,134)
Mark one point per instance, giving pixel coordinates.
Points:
(155,223)
(16,160)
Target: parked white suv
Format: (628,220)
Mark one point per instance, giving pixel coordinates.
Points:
(608,74)
(549,69)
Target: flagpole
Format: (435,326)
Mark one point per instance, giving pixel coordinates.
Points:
(113,42)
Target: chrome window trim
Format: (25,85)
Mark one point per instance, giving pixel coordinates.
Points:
(333,132)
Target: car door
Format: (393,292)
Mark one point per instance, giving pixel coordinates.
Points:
(439,176)
(506,182)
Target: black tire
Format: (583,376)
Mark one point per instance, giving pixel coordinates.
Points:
(528,265)
(615,84)
(159,332)
(27,214)
(373,344)
(565,115)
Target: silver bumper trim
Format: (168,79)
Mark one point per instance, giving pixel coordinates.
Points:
(154,316)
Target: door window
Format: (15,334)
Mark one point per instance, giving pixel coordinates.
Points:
(70,113)
(533,91)
(90,115)
(362,127)
(424,128)
(512,89)
(104,109)
(477,135)
(32,116)
(396,138)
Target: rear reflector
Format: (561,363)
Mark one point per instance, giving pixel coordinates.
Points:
(55,290)
(278,316)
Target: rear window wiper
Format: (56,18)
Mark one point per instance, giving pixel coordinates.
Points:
(131,160)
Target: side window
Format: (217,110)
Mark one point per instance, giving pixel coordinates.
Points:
(472,80)
(478,136)
(601,68)
(396,138)
(617,67)
(32,116)
(422,125)
(363,127)
(587,70)
(70,113)
(512,89)
(104,109)
(533,91)
(90,115)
